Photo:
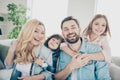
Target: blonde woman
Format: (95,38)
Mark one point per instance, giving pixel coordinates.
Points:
(22,51)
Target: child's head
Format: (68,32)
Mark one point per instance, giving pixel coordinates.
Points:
(53,42)
(99,25)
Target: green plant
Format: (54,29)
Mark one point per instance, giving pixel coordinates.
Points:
(16,14)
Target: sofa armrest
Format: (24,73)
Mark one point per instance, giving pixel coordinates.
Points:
(3,52)
(116,60)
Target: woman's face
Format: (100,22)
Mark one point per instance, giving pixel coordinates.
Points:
(53,43)
(99,26)
(39,35)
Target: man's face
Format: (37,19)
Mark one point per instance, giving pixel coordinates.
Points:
(71,31)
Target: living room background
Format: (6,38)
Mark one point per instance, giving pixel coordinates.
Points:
(52,13)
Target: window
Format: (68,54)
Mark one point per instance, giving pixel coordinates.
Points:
(49,12)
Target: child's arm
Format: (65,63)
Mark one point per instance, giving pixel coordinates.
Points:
(95,56)
(64,47)
(105,54)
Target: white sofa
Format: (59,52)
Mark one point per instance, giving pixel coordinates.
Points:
(6,43)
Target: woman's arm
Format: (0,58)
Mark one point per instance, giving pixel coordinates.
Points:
(10,56)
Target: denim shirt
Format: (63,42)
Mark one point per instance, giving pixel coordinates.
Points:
(97,70)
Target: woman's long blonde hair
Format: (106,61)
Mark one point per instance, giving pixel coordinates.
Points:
(23,52)
(87,31)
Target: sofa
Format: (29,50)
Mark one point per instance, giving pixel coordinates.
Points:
(4,46)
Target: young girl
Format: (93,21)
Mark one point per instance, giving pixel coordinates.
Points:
(22,51)
(97,32)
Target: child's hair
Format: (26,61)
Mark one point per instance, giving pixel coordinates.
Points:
(57,36)
(88,30)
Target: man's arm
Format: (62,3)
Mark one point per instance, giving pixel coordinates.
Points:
(76,63)
(62,75)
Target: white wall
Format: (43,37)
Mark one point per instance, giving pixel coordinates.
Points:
(83,10)
(50,13)
(53,12)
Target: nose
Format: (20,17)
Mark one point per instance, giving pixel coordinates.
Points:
(70,30)
(40,36)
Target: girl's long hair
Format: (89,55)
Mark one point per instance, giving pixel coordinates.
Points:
(87,31)
(23,51)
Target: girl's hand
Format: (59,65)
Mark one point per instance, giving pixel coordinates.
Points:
(39,61)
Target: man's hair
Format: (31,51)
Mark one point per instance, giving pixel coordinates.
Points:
(68,19)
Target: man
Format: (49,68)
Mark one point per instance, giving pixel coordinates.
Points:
(78,67)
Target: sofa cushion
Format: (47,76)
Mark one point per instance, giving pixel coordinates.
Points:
(3,52)
(116,60)
(1,65)
(4,46)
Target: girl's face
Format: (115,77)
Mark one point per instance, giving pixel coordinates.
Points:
(38,35)
(99,26)
(53,43)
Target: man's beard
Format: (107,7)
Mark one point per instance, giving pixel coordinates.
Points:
(74,40)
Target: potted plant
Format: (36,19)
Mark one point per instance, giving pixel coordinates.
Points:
(16,14)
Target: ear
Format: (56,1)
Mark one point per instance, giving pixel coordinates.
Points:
(62,32)
(80,29)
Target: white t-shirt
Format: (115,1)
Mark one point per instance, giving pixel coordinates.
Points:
(24,68)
